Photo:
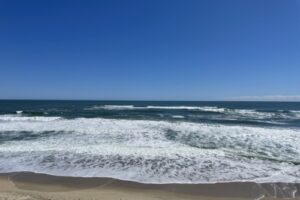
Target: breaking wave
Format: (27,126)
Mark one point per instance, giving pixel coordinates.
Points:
(149,151)
(18,117)
(251,113)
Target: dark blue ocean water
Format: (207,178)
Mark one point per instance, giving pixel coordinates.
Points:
(153,141)
(249,113)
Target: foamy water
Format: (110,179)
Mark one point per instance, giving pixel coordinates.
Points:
(173,149)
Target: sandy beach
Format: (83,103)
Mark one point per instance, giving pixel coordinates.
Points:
(27,186)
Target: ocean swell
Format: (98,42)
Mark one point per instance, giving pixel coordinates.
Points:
(228,112)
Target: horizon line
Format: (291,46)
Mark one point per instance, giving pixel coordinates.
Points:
(149,100)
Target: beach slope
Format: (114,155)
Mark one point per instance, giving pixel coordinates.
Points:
(27,185)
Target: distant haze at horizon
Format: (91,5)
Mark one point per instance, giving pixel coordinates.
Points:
(150,50)
(275,98)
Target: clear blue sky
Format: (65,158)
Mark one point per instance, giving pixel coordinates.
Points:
(149,49)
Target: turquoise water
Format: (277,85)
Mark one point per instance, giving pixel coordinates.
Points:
(153,142)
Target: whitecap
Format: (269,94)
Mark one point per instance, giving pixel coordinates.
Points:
(152,151)
(178,117)
(20,118)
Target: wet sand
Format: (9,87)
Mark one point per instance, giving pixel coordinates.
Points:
(25,186)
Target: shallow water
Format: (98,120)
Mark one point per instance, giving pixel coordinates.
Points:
(153,142)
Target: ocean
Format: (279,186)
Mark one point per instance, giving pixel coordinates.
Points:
(153,141)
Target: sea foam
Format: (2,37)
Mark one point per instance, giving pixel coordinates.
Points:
(149,151)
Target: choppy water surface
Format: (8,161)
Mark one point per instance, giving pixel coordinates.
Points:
(153,142)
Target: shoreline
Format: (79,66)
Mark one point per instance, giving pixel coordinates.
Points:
(28,185)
